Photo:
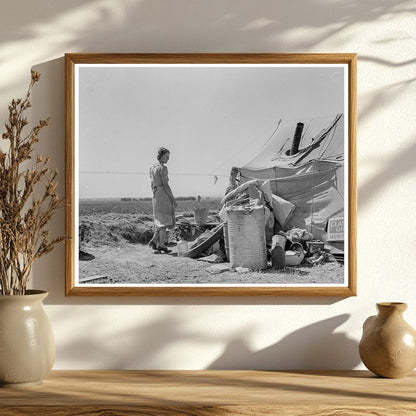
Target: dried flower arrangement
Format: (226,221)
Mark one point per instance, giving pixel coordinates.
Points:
(28,199)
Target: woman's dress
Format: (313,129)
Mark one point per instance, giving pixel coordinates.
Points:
(163,210)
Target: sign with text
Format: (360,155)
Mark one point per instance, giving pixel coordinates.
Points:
(336,229)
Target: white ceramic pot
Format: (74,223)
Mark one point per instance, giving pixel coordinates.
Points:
(27,347)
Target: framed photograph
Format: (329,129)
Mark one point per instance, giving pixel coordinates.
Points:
(211,174)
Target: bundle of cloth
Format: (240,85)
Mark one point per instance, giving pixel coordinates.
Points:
(258,192)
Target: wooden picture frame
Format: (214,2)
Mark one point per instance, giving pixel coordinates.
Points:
(134,89)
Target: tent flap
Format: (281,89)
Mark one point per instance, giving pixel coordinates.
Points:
(314,184)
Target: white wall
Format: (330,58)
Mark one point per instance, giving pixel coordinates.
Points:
(201,333)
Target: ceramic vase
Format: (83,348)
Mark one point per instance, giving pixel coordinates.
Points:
(388,345)
(27,347)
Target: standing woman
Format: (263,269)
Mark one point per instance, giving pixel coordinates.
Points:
(163,202)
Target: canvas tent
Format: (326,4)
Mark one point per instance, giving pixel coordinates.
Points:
(312,178)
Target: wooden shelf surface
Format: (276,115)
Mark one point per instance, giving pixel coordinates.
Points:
(202,393)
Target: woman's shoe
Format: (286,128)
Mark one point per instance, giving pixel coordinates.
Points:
(152,245)
(164,249)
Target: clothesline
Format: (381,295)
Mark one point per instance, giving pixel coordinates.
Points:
(147,173)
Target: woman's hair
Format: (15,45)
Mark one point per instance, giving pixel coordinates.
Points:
(161,152)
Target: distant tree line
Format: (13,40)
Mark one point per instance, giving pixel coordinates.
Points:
(185,198)
(179,198)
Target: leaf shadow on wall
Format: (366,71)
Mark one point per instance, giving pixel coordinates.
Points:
(316,346)
(143,346)
(397,166)
(402,163)
(150,26)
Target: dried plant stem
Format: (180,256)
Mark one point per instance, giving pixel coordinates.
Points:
(23,217)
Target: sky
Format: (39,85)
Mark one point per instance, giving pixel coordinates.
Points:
(210,117)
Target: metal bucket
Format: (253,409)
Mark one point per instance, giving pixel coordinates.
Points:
(201,215)
(246,237)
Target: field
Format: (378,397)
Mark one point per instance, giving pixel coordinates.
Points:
(114,236)
(139,206)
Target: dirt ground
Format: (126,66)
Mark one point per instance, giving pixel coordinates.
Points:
(137,264)
(118,242)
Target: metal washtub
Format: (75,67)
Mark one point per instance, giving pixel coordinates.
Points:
(200,215)
(246,237)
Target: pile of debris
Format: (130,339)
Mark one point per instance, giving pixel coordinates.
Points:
(301,241)
(251,234)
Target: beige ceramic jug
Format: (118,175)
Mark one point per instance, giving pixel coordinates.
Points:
(388,345)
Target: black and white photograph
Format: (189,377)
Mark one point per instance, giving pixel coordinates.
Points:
(211,175)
